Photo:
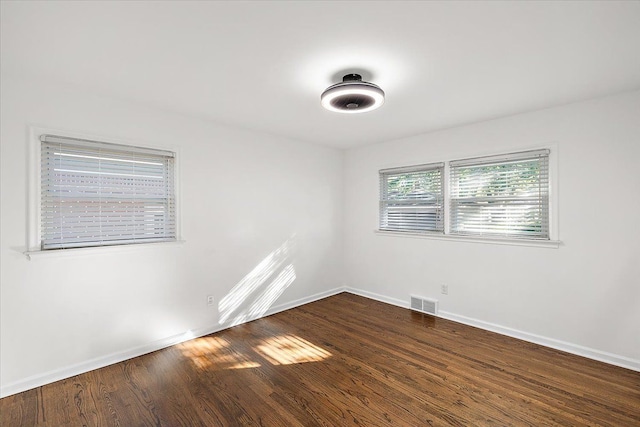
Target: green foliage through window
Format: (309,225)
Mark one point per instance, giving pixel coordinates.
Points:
(506,197)
(412,200)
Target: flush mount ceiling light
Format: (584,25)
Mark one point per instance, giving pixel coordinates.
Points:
(352,95)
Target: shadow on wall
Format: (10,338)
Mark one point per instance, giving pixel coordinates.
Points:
(257,291)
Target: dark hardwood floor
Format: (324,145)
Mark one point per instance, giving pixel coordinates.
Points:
(341,361)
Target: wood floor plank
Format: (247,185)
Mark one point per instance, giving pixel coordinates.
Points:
(341,361)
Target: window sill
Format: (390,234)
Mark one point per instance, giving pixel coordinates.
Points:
(554,244)
(96,249)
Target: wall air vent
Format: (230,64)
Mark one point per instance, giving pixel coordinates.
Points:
(424,305)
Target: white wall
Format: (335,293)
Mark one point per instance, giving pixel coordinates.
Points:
(243,195)
(583,296)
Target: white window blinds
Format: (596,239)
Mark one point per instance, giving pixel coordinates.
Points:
(504,195)
(96,194)
(411,199)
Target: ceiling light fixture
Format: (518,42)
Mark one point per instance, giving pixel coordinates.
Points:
(352,95)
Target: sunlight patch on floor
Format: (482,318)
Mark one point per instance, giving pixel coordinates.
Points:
(214,352)
(290,349)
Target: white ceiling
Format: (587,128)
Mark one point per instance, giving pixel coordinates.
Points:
(262,65)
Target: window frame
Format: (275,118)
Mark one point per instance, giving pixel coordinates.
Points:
(553,223)
(408,170)
(488,229)
(34,212)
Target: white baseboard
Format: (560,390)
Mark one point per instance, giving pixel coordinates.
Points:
(303,301)
(100,362)
(378,297)
(590,353)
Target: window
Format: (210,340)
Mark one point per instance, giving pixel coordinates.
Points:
(411,199)
(504,196)
(97,194)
